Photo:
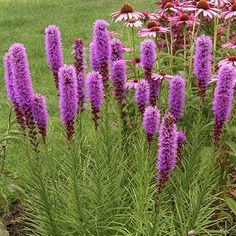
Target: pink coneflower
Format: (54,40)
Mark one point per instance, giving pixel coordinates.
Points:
(184,19)
(231,45)
(221,2)
(230,60)
(133,23)
(204,7)
(126,12)
(230,13)
(131,83)
(161,76)
(152,29)
(137,62)
(146,15)
(169,7)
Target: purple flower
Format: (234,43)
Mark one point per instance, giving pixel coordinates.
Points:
(148,54)
(176,97)
(223,99)
(53,47)
(40,114)
(95,94)
(117,50)
(68,101)
(202,62)
(93,57)
(167,150)
(151,121)
(155,86)
(118,76)
(79,55)
(142,94)
(102,46)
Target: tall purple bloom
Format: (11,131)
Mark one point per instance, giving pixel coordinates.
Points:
(117,50)
(155,87)
(102,47)
(40,114)
(223,99)
(167,150)
(151,121)
(79,55)
(93,57)
(54,53)
(176,97)
(142,94)
(202,62)
(95,94)
(10,89)
(68,101)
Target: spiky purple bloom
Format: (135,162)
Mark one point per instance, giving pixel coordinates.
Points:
(142,94)
(68,101)
(176,98)
(180,140)
(223,99)
(151,121)
(95,94)
(102,46)
(155,87)
(79,56)
(148,57)
(202,62)
(167,152)
(117,50)
(93,57)
(53,47)
(10,89)
(40,114)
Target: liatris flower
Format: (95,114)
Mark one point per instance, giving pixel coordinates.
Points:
(202,62)
(79,55)
(142,94)
(93,57)
(118,76)
(126,12)
(95,94)
(102,47)
(176,97)
(151,120)
(40,114)
(53,47)
(180,140)
(68,101)
(155,86)
(223,98)
(10,89)
(167,150)
(117,50)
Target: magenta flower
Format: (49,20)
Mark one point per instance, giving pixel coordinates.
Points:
(230,60)
(117,50)
(176,97)
(102,47)
(155,87)
(223,99)
(40,114)
(161,76)
(202,62)
(93,57)
(142,94)
(151,121)
(148,54)
(231,13)
(131,83)
(68,101)
(126,12)
(79,55)
(53,47)
(95,94)
(167,152)
(185,19)
(133,23)
(231,45)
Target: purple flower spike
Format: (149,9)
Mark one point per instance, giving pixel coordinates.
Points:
(155,87)
(142,94)
(118,76)
(102,46)
(68,101)
(93,57)
(53,47)
(223,99)
(117,50)
(167,150)
(10,89)
(79,55)
(148,57)
(40,114)
(176,97)
(151,121)
(202,62)
(95,94)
